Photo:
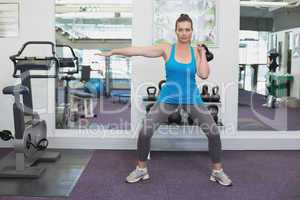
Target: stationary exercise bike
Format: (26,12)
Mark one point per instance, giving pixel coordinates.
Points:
(30,138)
(67,68)
(272,65)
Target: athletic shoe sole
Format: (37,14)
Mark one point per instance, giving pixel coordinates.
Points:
(141,179)
(213,179)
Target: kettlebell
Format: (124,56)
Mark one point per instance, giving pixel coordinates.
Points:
(151,91)
(175,117)
(215,97)
(209,55)
(148,107)
(205,94)
(186,118)
(214,110)
(190,120)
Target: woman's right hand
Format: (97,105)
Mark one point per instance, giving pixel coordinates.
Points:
(201,48)
(105,53)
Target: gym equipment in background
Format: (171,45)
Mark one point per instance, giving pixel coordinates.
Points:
(30,138)
(151,91)
(82,99)
(215,96)
(270,102)
(270,97)
(175,117)
(273,61)
(205,94)
(214,111)
(94,86)
(180,117)
(67,68)
(78,102)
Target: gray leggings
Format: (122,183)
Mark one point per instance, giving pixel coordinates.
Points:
(160,112)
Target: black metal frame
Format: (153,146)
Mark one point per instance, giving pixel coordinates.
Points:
(25,71)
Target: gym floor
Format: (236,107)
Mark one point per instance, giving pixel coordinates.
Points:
(257,175)
(58,179)
(253,116)
(110,114)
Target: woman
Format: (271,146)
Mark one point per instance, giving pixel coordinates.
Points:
(182,63)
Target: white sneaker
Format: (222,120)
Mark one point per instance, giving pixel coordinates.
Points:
(221,178)
(139,174)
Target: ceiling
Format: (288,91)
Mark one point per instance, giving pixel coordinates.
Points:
(262,12)
(255,12)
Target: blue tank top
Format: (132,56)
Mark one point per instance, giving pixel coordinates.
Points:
(180,86)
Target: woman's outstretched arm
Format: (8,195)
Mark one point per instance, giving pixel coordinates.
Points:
(149,51)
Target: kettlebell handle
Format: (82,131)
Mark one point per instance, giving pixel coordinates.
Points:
(151,91)
(160,84)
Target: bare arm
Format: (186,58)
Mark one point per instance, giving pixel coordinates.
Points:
(149,51)
(202,64)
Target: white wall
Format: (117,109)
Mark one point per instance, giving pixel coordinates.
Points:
(36,23)
(295,91)
(224,68)
(295,69)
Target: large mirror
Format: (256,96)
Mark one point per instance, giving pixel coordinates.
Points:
(269,88)
(91,91)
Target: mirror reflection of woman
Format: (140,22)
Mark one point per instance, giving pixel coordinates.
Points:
(182,64)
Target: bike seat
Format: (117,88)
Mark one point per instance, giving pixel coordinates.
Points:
(15,90)
(81,94)
(66,62)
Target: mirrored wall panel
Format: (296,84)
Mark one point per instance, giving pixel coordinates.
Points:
(269,72)
(92,91)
